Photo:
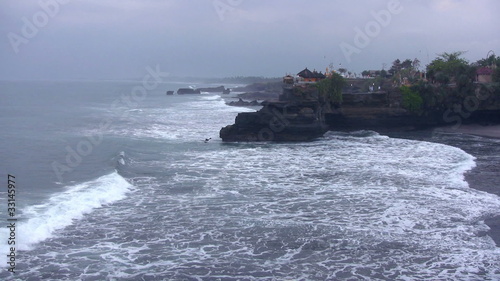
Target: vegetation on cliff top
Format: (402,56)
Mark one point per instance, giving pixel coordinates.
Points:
(451,80)
(331,88)
(448,81)
(411,100)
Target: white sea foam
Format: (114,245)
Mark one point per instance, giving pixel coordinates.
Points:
(185,122)
(409,196)
(211,97)
(357,206)
(39,222)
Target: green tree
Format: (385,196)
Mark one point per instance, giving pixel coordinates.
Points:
(331,88)
(432,97)
(449,67)
(405,71)
(407,64)
(412,100)
(396,67)
(489,61)
(496,75)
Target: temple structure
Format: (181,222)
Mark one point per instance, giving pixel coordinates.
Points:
(298,115)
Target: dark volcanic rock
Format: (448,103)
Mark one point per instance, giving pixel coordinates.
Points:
(219,89)
(278,121)
(375,99)
(385,119)
(259,95)
(373,118)
(241,102)
(188,91)
(299,115)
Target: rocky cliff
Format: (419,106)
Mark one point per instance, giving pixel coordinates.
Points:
(299,115)
(383,111)
(302,114)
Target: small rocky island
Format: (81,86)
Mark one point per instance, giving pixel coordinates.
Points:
(191,91)
(298,114)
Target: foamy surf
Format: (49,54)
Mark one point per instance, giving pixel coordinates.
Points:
(358,206)
(40,222)
(177,123)
(211,97)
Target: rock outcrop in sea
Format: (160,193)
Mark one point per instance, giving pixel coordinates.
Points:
(298,115)
(188,91)
(302,114)
(241,102)
(219,89)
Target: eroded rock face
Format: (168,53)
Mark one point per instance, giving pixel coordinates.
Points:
(241,102)
(302,115)
(188,91)
(278,121)
(298,115)
(219,89)
(379,119)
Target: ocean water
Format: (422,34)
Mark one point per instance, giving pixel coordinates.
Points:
(110,188)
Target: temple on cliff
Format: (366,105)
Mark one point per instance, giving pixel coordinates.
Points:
(298,115)
(307,76)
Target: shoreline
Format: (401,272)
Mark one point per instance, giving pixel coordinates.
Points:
(494,222)
(490,131)
(472,176)
(482,173)
(484,177)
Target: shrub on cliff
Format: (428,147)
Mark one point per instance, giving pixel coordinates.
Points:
(496,75)
(331,88)
(411,100)
(432,97)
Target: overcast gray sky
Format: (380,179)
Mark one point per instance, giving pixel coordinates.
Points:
(115,39)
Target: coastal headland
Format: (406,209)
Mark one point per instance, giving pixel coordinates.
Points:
(381,111)
(451,93)
(451,97)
